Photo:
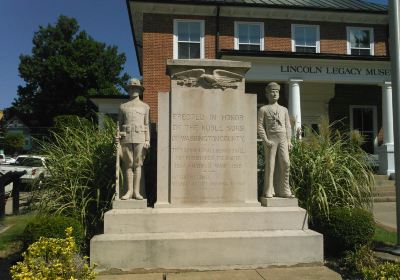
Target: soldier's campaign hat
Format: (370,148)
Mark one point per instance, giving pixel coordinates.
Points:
(134,83)
(273,85)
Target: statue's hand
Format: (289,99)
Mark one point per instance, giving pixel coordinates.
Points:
(268,143)
(146,145)
(290,145)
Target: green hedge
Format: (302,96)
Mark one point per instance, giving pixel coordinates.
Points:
(345,229)
(54,227)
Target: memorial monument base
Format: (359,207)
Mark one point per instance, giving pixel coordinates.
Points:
(205,238)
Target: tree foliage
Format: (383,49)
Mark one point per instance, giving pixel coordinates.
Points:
(14,142)
(65,68)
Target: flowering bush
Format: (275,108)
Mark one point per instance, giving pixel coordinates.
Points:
(53,258)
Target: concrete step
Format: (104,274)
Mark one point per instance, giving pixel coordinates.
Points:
(384,193)
(383,181)
(379,189)
(206,250)
(381,177)
(385,199)
(153,220)
(387,184)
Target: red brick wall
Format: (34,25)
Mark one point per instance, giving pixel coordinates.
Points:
(158,44)
(158,47)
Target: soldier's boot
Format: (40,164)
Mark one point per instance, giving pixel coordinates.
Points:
(129,183)
(136,183)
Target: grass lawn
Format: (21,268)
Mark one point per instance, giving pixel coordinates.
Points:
(384,237)
(9,239)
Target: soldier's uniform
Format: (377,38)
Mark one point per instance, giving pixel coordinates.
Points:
(274,125)
(134,123)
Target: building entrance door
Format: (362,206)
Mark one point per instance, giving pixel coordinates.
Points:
(363,119)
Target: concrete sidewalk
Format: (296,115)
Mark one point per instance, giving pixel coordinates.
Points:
(292,273)
(385,214)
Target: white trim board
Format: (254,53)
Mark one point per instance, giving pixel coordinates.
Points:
(315,70)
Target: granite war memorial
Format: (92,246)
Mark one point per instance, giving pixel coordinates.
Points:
(207,214)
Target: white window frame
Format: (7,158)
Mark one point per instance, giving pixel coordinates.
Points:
(236,40)
(317,42)
(371,38)
(375,121)
(175,44)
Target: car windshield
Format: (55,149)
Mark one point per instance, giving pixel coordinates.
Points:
(27,161)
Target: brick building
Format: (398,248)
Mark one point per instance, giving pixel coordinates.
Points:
(330,57)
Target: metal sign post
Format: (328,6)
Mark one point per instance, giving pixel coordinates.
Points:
(395,73)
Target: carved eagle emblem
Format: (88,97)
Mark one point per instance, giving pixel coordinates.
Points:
(220,79)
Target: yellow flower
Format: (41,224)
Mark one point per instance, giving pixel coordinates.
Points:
(53,258)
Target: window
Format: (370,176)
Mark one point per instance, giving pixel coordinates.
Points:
(249,36)
(188,39)
(360,41)
(305,38)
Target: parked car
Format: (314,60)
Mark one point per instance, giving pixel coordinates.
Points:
(2,158)
(35,167)
(9,160)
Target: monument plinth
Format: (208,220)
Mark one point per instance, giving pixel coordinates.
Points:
(207,215)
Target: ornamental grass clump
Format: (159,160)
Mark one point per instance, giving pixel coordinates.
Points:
(53,258)
(80,159)
(329,169)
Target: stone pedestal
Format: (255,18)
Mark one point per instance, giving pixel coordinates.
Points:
(207,214)
(130,204)
(279,202)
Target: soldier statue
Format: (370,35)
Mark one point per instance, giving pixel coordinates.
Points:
(275,131)
(134,138)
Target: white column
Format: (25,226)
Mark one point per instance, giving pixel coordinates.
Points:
(386,151)
(387,113)
(294,105)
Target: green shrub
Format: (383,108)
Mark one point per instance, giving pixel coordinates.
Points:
(53,258)
(329,169)
(51,227)
(345,229)
(362,264)
(384,271)
(355,262)
(81,165)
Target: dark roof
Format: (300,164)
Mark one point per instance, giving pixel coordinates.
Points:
(338,5)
